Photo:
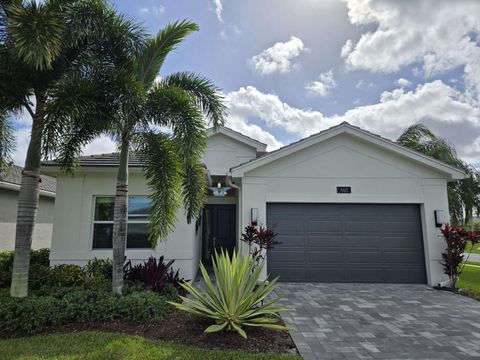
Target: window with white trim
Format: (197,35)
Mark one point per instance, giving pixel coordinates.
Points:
(137,225)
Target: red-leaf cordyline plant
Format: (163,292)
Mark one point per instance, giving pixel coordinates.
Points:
(260,240)
(456,239)
(153,274)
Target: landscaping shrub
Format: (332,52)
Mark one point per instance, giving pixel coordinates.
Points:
(67,275)
(35,313)
(98,273)
(456,239)
(37,257)
(237,297)
(40,257)
(259,240)
(39,276)
(155,275)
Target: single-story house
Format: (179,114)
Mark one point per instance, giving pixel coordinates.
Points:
(348,205)
(9,189)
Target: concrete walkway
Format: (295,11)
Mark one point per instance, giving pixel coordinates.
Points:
(473,257)
(380,321)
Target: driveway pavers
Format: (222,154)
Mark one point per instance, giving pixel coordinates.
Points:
(380,321)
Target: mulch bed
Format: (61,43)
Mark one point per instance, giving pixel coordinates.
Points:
(187,329)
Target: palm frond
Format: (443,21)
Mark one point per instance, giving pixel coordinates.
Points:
(7,143)
(78,109)
(171,106)
(153,54)
(36,30)
(194,190)
(207,96)
(418,137)
(162,170)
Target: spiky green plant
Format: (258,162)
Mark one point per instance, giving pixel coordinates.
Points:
(237,297)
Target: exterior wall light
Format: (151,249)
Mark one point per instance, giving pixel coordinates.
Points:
(254,216)
(440,218)
(219,190)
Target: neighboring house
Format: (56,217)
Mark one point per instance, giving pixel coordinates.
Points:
(9,189)
(349,206)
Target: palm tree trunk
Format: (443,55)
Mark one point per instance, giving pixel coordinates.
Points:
(120,219)
(27,210)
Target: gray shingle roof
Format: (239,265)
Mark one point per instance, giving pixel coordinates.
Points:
(101,160)
(14,176)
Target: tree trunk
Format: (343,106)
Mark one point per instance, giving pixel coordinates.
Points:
(120,219)
(27,209)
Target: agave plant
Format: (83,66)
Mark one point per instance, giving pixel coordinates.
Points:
(236,299)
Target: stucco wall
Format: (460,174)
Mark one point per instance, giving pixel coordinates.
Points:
(374,175)
(73,228)
(224,152)
(42,233)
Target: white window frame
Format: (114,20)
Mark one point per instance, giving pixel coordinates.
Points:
(94,222)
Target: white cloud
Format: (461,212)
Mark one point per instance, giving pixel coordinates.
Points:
(403,83)
(435,104)
(22,139)
(346,48)
(101,145)
(436,34)
(323,86)
(155,10)
(279,57)
(218,9)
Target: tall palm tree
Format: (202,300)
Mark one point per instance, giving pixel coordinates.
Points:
(56,63)
(171,159)
(7,143)
(463,196)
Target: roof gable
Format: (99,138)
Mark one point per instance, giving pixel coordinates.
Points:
(259,146)
(450,172)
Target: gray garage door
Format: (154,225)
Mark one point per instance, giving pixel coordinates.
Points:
(347,243)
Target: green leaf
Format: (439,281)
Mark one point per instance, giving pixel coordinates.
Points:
(153,54)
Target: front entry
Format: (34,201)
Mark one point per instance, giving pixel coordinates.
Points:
(219,230)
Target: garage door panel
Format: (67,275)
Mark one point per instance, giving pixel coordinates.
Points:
(365,274)
(361,241)
(402,227)
(321,226)
(288,225)
(325,256)
(361,226)
(323,241)
(403,256)
(347,243)
(289,256)
(363,256)
(290,240)
(405,275)
(401,241)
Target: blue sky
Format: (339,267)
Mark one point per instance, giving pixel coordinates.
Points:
(290,68)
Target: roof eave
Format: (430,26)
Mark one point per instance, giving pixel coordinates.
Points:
(16,187)
(452,173)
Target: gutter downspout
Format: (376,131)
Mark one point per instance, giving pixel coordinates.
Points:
(229,182)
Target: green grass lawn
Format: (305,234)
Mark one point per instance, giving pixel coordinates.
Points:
(474,249)
(470,278)
(98,345)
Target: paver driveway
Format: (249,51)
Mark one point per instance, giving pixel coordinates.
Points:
(377,321)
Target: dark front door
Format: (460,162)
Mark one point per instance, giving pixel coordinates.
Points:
(219,229)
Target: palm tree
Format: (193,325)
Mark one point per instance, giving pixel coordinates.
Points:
(7,143)
(56,63)
(171,159)
(463,195)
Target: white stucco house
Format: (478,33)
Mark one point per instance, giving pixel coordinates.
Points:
(9,189)
(348,205)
